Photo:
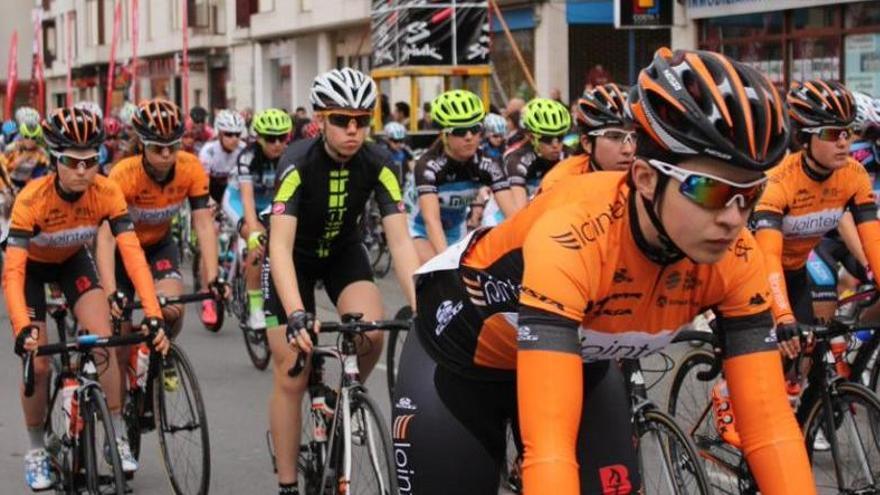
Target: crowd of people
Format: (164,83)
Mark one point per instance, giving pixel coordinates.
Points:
(538,244)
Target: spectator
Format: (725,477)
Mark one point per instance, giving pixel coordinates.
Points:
(426,123)
(556,94)
(301,113)
(401,113)
(386,109)
(514,105)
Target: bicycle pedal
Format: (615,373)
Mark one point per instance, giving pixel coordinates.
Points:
(147,422)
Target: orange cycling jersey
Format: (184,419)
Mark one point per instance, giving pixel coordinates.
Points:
(590,291)
(22,164)
(49,226)
(573,165)
(799,207)
(154,204)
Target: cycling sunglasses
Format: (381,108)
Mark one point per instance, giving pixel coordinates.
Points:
(158,148)
(231,135)
(76,162)
(548,139)
(273,138)
(343,120)
(832,133)
(710,191)
(396,141)
(616,135)
(475,129)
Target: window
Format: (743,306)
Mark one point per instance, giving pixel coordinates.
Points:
(862,14)
(94,22)
(198,13)
(50,43)
(743,26)
(813,18)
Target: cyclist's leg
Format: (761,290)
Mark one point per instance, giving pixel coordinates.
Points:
(800,297)
(285,402)
(78,278)
(165,266)
(606,454)
(348,280)
(449,432)
(424,249)
(34,407)
(123,285)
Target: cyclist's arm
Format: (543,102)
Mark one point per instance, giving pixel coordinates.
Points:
(768,233)
(495,178)
(520,196)
(394,222)
(135,262)
(429,207)
(516,175)
(849,234)
(105,255)
(864,212)
(549,371)
(21,229)
(203,225)
(771,439)
(282,237)
(506,202)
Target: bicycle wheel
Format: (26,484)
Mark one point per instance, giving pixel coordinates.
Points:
(668,460)
(372,456)
(131,413)
(845,456)
(691,405)
(511,475)
(312,451)
(255,341)
(182,425)
(396,338)
(103,468)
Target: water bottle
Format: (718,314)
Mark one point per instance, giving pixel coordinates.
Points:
(838,350)
(139,364)
(69,404)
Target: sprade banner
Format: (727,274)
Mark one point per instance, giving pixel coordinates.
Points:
(416,32)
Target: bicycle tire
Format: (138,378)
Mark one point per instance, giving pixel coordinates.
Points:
(391,350)
(846,394)
(725,467)
(680,447)
(256,343)
(364,405)
(95,409)
(308,461)
(195,405)
(134,402)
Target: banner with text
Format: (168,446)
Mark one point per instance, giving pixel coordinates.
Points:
(415,32)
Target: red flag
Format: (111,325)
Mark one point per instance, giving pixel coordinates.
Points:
(117,21)
(134,47)
(38,80)
(185,64)
(67,42)
(11,75)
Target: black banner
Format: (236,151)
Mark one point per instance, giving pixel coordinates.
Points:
(642,13)
(414,32)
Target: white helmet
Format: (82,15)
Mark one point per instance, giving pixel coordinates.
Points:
(229,121)
(127,112)
(495,124)
(867,111)
(27,116)
(345,89)
(395,130)
(90,106)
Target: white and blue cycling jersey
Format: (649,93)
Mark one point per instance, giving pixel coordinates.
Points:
(456,185)
(255,168)
(524,168)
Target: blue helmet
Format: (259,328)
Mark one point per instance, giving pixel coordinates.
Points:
(495,124)
(395,131)
(9,129)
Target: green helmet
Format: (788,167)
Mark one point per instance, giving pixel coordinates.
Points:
(546,117)
(457,108)
(272,122)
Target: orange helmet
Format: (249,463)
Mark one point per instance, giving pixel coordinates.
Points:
(700,103)
(821,103)
(158,121)
(72,128)
(602,106)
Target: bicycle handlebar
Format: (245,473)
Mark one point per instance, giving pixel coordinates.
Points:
(347,327)
(181,299)
(80,343)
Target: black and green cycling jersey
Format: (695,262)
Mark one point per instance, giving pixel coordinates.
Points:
(328,197)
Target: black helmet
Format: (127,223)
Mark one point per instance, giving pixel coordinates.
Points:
(602,106)
(158,121)
(72,128)
(198,115)
(821,103)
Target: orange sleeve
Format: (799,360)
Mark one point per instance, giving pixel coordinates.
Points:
(869,234)
(747,290)
(555,290)
(771,439)
(14,266)
(198,188)
(864,211)
(770,243)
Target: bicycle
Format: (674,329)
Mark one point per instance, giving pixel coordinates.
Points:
(394,346)
(226,238)
(829,406)
(374,240)
(73,435)
(255,341)
(170,393)
(344,436)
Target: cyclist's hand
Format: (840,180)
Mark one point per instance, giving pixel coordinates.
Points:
(789,337)
(156,327)
(118,301)
(27,340)
(256,240)
(300,326)
(220,289)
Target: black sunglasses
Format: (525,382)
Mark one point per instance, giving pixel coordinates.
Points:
(231,134)
(475,129)
(272,139)
(159,148)
(343,120)
(549,139)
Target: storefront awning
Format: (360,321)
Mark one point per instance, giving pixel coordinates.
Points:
(589,11)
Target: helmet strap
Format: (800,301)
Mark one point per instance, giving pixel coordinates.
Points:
(667,252)
(809,159)
(154,174)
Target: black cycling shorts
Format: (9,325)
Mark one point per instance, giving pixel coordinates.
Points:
(164,261)
(450,432)
(75,276)
(216,188)
(344,266)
